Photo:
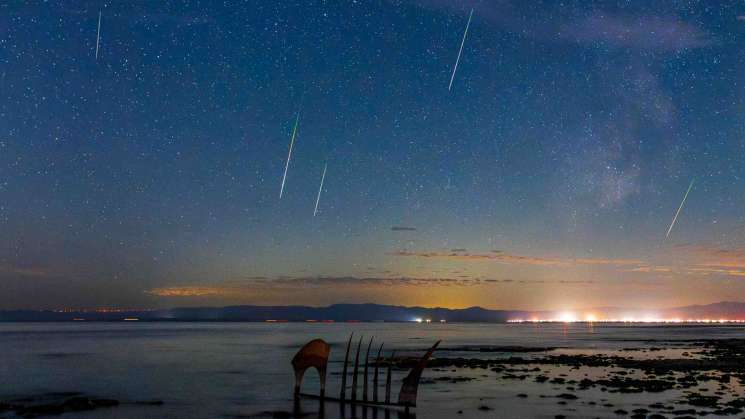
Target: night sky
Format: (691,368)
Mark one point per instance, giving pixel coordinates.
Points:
(547,177)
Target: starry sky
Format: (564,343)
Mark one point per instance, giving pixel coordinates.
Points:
(545,178)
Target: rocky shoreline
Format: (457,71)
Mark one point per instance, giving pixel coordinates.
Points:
(707,379)
(683,379)
(52,404)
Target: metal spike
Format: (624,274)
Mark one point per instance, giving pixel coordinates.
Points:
(388,380)
(356,368)
(364,383)
(375,375)
(343,392)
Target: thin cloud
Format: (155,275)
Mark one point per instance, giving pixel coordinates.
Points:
(24,271)
(636,32)
(697,260)
(719,257)
(650,269)
(560,24)
(713,271)
(335,281)
(504,257)
(190,291)
(242,288)
(712,259)
(403,228)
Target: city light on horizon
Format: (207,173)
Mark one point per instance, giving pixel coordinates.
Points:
(564,319)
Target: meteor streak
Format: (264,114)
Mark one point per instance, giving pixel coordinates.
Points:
(679,208)
(460,50)
(320,188)
(289,155)
(98,34)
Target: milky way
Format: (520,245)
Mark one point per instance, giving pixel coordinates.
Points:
(566,136)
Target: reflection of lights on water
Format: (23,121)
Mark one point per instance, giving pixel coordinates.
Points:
(418,320)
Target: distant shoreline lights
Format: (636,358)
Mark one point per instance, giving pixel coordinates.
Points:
(630,320)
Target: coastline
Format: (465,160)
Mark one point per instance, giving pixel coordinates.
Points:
(543,371)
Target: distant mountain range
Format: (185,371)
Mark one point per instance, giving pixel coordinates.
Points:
(374,313)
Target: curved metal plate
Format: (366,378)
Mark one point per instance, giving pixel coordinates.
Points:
(407,396)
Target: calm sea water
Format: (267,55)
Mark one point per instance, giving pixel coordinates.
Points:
(205,370)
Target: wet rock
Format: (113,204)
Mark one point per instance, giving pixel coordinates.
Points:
(721,355)
(621,412)
(728,411)
(105,402)
(41,410)
(485,408)
(684,412)
(7,407)
(629,385)
(61,394)
(73,404)
(279,414)
(150,402)
(702,401)
(515,349)
(736,403)
(567,396)
(459,379)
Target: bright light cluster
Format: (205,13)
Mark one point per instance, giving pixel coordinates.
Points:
(421,320)
(593,319)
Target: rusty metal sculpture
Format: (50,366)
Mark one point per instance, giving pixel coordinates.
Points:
(315,354)
(407,395)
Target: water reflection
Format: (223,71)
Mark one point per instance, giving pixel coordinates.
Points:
(347,411)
